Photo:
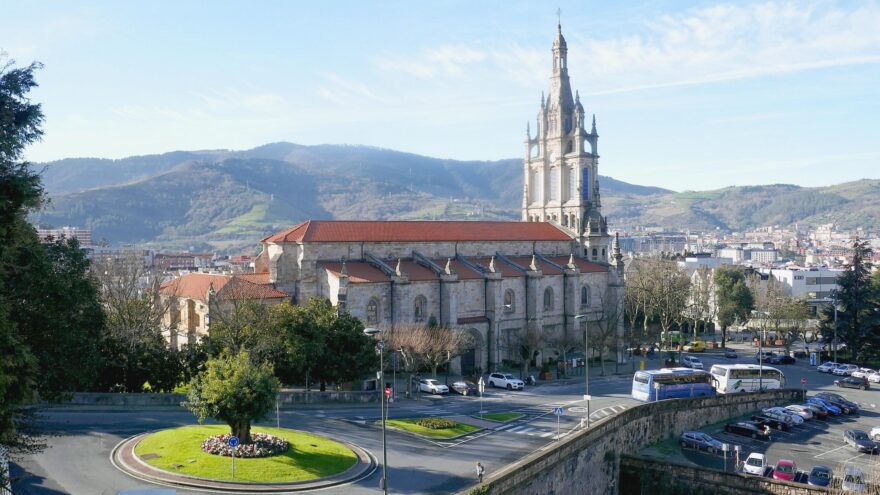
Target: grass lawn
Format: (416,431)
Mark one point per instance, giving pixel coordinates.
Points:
(501,417)
(309,456)
(409,424)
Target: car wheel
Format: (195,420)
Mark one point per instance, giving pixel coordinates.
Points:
(779,427)
(509,387)
(754,436)
(491,383)
(862,387)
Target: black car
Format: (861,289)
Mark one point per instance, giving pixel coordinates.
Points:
(781,360)
(860,440)
(730,353)
(748,429)
(847,406)
(760,419)
(464,388)
(852,382)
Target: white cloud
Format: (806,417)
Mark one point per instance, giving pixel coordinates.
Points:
(451,60)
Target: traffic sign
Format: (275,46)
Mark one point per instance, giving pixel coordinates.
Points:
(232,441)
(803,381)
(481,385)
(387,391)
(559,411)
(588,397)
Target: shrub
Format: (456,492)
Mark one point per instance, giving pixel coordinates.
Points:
(436,423)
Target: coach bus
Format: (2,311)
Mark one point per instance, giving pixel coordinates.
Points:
(730,378)
(671,383)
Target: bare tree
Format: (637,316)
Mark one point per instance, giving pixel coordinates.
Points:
(425,346)
(526,344)
(604,330)
(564,344)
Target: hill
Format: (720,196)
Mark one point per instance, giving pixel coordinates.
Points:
(226,200)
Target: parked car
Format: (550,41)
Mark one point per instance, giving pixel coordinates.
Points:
(827,367)
(862,372)
(695,346)
(780,359)
(831,408)
(730,353)
(875,433)
(785,470)
(505,380)
(853,382)
(771,422)
(464,388)
(433,386)
(796,419)
(844,369)
(853,480)
(847,406)
(756,463)
(700,441)
(819,412)
(819,476)
(874,377)
(749,429)
(802,411)
(692,362)
(860,440)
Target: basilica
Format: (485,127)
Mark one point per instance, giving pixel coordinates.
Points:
(556,271)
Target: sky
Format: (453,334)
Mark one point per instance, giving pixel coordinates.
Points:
(687,95)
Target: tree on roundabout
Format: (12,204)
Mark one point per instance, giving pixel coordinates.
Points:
(234,390)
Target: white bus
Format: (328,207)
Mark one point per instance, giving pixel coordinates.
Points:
(729,378)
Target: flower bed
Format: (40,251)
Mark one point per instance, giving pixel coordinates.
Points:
(263,446)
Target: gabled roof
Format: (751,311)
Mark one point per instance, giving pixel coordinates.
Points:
(227,287)
(416,231)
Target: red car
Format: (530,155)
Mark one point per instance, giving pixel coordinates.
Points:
(785,470)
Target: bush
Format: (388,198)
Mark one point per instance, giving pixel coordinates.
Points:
(436,423)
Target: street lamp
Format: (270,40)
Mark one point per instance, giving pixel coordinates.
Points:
(586,364)
(372,332)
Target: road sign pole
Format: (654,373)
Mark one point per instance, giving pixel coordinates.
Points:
(557,427)
(233,444)
(233,462)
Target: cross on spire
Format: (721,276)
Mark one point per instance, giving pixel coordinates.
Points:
(559,17)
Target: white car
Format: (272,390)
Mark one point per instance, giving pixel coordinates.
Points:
(505,380)
(827,367)
(853,480)
(802,411)
(862,373)
(691,362)
(433,386)
(875,433)
(755,464)
(874,377)
(845,369)
(795,418)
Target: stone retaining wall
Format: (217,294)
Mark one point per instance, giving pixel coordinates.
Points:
(644,476)
(587,461)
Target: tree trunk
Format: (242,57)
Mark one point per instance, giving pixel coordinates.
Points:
(724,336)
(242,430)
(324,385)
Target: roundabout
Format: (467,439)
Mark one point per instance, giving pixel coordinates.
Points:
(175,457)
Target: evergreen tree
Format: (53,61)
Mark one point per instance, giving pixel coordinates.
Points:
(857,304)
(732,297)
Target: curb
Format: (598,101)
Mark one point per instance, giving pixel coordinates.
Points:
(365,466)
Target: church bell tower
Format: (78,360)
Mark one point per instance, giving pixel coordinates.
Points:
(561,182)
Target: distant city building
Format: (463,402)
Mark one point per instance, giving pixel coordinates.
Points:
(807,283)
(83,236)
(178,261)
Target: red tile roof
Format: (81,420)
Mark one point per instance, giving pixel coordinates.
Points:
(501,266)
(358,272)
(228,287)
(584,265)
(464,272)
(526,262)
(415,271)
(416,231)
(257,278)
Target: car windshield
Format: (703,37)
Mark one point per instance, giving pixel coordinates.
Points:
(785,468)
(508,376)
(431,382)
(755,461)
(860,435)
(821,474)
(853,479)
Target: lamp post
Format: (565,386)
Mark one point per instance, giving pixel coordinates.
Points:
(834,342)
(586,363)
(381,346)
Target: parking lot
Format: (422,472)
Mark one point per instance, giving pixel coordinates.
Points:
(815,441)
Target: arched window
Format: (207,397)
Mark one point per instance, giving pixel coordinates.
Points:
(585,296)
(565,220)
(535,187)
(548,299)
(554,184)
(420,309)
(509,301)
(572,183)
(595,253)
(603,252)
(373,311)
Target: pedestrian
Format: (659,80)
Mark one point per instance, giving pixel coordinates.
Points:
(480,471)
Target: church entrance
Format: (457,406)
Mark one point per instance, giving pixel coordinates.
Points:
(469,362)
(472,358)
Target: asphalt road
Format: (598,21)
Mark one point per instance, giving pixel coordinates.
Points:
(78,460)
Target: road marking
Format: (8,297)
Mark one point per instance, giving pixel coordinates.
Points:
(830,451)
(854,457)
(503,427)
(545,435)
(513,430)
(525,431)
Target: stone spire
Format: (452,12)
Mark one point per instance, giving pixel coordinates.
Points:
(343,272)
(571,263)
(593,130)
(615,248)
